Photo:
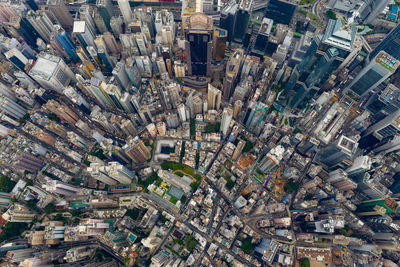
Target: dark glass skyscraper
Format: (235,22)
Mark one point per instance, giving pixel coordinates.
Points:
(280,11)
(199,33)
(391,44)
(227,19)
(324,56)
(242,19)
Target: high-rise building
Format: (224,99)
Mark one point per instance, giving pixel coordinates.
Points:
(58,13)
(133,72)
(238,150)
(115,94)
(391,45)
(62,111)
(104,7)
(336,153)
(378,70)
(242,18)
(281,11)
(387,127)
(327,54)
(219,43)
(83,33)
(232,72)
(64,43)
(137,150)
(29,162)
(213,97)
(120,173)
(198,44)
(41,23)
(182,112)
(226,121)
(384,103)
(227,18)
(51,72)
(255,114)
(126,11)
(16,58)
(261,42)
(120,75)
(11,108)
(237,107)
(20,27)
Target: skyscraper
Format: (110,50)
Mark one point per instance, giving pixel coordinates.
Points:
(83,33)
(104,7)
(238,150)
(335,153)
(227,18)
(219,43)
(120,75)
(242,19)
(391,45)
(57,12)
(11,108)
(198,44)
(378,70)
(226,121)
(136,150)
(261,42)
(387,127)
(385,102)
(255,114)
(327,54)
(214,97)
(232,72)
(126,11)
(281,11)
(62,37)
(41,23)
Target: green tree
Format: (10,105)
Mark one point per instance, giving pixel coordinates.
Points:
(247,245)
(12,229)
(24,118)
(6,185)
(291,186)
(53,117)
(304,262)
(248,146)
(133,213)
(331,14)
(191,243)
(49,208)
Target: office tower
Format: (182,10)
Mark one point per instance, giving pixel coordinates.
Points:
(111,43)
(391,45)
(238,150)
(172,120)
(360,165)
(29,162)
(115,94)
(226,121)
(232,72)
(227,18)
(20,27)
(125,101)
(104,7)
(120,173)
(341,181)
(11,108)
(120,75)
(237,107)
(383,103)
(86,15)
(280,11)
(126,11)
(106,63)
(179,69)
(375,7)
(128,127)
(58,13)
(333,154)
(388,203)
(41,23)
(182,112)
(133,72)
(387,127)
(219,43)
(326,56)
(255,114)
(64,40)
(198,44)
(136,150)
(301,48)
(214,98)
(272,159)
(99,22)
(261,42)
(83,33)
(167,34)
(77,98)
(143,44)
(145,115)
(62,111)
(16,58)
(280,54)
(377,71)
(161,65)
(116,25)
(144,65)
(242,18)
(97,89)
(51,72)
